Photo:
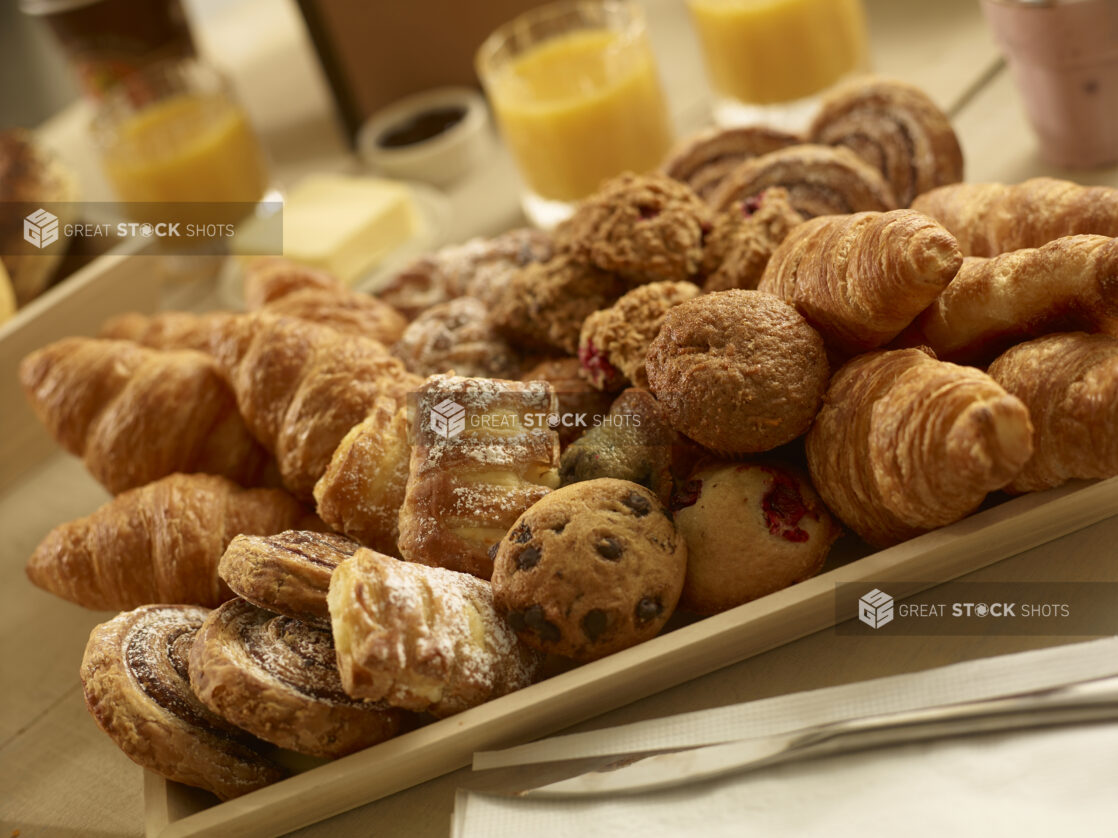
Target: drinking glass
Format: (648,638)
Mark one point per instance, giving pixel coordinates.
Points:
(769,61)
(576,94)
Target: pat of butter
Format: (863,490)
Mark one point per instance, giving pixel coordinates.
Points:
(345,224)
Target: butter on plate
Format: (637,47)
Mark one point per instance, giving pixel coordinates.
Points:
(346,224)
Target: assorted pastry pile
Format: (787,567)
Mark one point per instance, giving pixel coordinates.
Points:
(338,516)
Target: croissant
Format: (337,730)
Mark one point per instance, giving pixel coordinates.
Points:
(991,218)
(301,386)
(860,279)
(135,414)
(285,288)
(167,329)
(159,543)
(1069,382)
(897,128)
(905,443)
(1070,283)
(820,181)
(363,488)
(702,161)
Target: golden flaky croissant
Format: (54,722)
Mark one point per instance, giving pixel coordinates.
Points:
(905,443)
(992,218)
(898,129)
(1069,382)
(135,414)
(363,488)
(286,288)
(301,386)
(167,329)
(1070,283)
(159,543)
(860,279)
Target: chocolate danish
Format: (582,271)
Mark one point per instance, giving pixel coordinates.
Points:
(277,678)
(288,573)
(134,674)
(820,181)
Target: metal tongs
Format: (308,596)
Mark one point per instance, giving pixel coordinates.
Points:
(1078,703)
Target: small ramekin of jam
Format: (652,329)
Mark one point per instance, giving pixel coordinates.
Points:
(437,136)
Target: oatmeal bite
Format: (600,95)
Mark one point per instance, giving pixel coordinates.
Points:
(544,303)
(646,228)
(614,340)
(744,238)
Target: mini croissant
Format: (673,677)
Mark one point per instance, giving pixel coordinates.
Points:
(992,218)
(1071,283)
(159,543)
(905,443)
(1069,382)
(860,279)
(135,414)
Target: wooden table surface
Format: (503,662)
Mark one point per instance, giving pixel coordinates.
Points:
(60,776)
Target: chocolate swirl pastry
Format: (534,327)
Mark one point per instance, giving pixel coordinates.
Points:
(278,678)
(897,128)
(820,181)
(703,160)
(134,674)
(287,573)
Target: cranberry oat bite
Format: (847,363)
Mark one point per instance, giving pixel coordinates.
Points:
(739,371)
(744,238)
(614,341)
(647,228)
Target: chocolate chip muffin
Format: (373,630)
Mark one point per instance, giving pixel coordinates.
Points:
(590,569)
(646,228)
(751,529)
(614,341)
(744,238)
(738,371)
(458,336)
(544,303)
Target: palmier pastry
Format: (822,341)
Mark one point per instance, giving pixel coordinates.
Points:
(861,279)
(456,336)
(905,443)
(422,638)
(614,340)
(134,674)
(738,371)
(484,452)
(278,679)
(645,228)
(1069,383)
(820,180)
(363,488)
(703,160)
(993,218)
(1070,283)
(898,129)
(287,573)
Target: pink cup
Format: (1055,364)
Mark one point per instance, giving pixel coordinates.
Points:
(1064,58)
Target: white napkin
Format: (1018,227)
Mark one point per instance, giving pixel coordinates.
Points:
(1038,782)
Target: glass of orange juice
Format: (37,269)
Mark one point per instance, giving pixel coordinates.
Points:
(770,60)
(577,97)
(173,133)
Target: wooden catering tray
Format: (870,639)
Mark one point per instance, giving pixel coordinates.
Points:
(117,283)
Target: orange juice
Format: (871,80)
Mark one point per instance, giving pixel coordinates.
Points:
(581,107)
(769,51)
(190,147)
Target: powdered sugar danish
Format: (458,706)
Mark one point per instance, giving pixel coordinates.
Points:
(483,453)
(422,638)
(277,678)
